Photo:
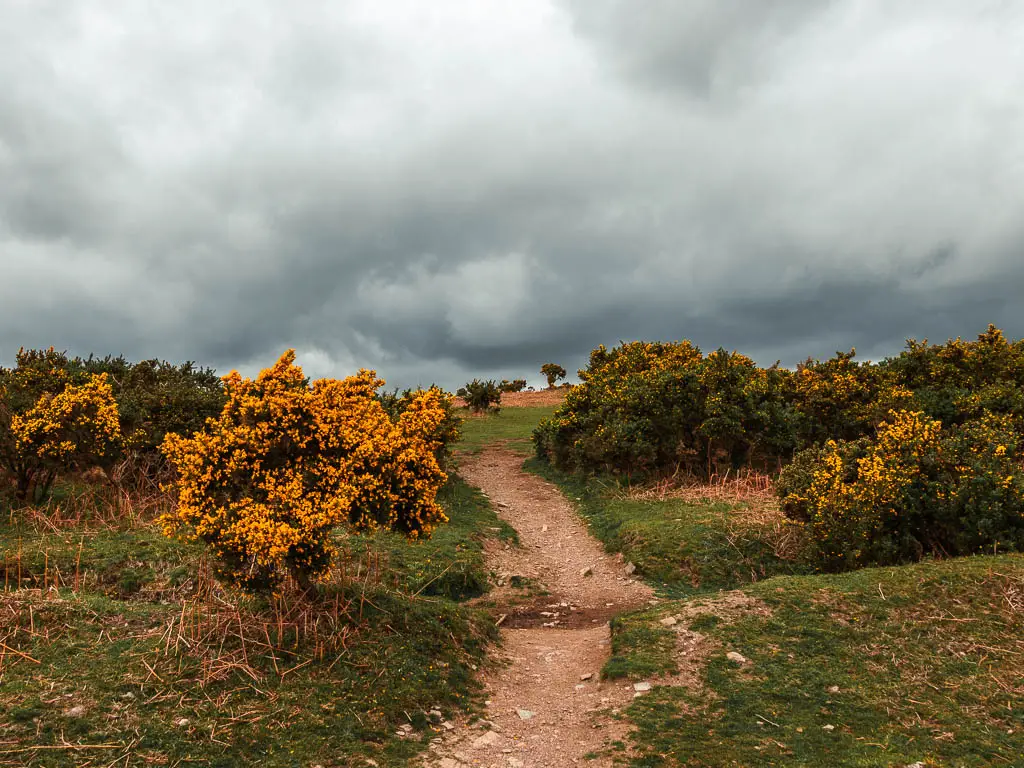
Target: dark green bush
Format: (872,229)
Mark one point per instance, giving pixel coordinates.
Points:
(481,396)
(647,408)
(155,397)
(960,381)
(516,385)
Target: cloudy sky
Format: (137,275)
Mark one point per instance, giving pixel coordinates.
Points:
(470,188)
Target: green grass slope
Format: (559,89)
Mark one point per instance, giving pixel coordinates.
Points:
(137,667)
(880,667)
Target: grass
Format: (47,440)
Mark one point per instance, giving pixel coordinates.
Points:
(890,666)
(511,427)
(147,663)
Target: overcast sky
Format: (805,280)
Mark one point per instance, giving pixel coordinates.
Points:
(459,188)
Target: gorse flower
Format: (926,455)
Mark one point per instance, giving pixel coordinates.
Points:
(287,462)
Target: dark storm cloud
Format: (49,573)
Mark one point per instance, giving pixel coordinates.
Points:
(453,190)
(701,46)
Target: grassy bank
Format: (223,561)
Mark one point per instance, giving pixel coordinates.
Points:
(118,648)
(894,666)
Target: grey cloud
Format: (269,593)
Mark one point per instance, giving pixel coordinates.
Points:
(441,193)
(702,47)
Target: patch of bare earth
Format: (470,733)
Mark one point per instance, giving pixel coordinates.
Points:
(536,399)
(693,648)
(547,705)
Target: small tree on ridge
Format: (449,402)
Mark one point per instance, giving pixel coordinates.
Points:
(553,372)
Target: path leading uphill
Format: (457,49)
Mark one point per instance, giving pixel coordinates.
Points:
(547,706)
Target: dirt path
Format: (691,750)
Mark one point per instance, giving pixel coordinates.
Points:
(547,706)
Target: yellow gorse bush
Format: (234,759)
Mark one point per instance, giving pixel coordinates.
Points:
(49,425)
(286,463)
(912,489)
(81,421)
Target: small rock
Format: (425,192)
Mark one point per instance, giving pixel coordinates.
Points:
(435,713)
(544,529)
(828,727)
(405,728)
(641,687)
(486,740)
(630,569)
(916,765)
(800,729)
(515,762)
(181,722)
(75,711)
(448,726)
(372,763)
(588,571)
(833,689)
(669,621)
(739,658)
(587,676)
(525,714)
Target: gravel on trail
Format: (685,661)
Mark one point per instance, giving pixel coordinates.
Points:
(547,705)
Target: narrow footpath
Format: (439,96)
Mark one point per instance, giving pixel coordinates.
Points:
(547,706)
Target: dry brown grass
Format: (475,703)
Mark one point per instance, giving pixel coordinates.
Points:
(226,634)
(214,631)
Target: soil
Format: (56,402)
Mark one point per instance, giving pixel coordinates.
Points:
(547,705)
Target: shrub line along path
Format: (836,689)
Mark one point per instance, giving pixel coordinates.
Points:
(547,705)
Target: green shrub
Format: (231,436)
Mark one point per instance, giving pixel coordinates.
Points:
(648,408)
(155,398)
(960,381)
(842,399)
(516,385)
(481,396)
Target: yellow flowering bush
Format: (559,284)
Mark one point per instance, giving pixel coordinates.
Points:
(913,489)
(445,425)
(286,462)
(49,423)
